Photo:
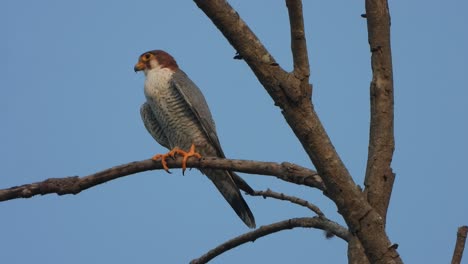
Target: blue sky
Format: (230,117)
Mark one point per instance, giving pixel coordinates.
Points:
(69,105)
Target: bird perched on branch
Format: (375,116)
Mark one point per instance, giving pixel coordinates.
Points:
(177,116)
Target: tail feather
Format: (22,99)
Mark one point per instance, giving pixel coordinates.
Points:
(230,191)
(243,185)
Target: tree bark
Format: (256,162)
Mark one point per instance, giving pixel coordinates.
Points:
(310,222)
(459,245)
(379,175)
(74,184)
(288,93)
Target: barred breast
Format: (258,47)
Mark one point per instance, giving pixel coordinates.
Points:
(175,118)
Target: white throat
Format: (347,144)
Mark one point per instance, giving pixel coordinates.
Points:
(157,80)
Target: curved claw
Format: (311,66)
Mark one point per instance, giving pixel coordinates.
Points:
(187,155)
(172,153)
(163,158)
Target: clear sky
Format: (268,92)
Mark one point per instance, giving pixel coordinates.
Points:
(69,105)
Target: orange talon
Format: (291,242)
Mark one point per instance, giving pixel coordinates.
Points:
(172,154)
(187,155)
(163,158)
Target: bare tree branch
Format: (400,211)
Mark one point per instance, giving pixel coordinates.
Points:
(379,175)
(250,49)
(460,245)
(299,45)
(297,108)
(292,199)
(73,185)
(356,254)
(310,222)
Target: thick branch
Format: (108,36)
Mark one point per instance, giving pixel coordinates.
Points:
(356,254)
(298,111)
(460,245)
(73,185)
(276,81)
(310,222)
(379,175)
(292,199)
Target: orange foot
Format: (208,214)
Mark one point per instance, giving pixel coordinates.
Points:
(173,152)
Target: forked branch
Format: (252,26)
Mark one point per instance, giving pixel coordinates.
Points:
(286,91)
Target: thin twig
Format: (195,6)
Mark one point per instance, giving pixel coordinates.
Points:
(460,245)
(308,222)
(75,184)
(292,199)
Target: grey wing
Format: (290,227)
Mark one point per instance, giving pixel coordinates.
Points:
(197,104)
(152,125)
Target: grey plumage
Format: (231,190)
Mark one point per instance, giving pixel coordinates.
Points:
(177,115)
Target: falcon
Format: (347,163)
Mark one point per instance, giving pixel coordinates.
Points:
(177,117)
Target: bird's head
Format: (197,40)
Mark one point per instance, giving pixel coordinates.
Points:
(155,59)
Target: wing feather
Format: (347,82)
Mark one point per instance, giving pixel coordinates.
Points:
(197,104)
(152,125)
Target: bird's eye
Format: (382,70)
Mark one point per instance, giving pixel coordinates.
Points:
(146,56)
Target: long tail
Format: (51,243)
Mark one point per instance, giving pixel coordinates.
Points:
(241,183)
(228,188)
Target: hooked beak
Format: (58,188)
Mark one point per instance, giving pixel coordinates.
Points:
(139,66)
